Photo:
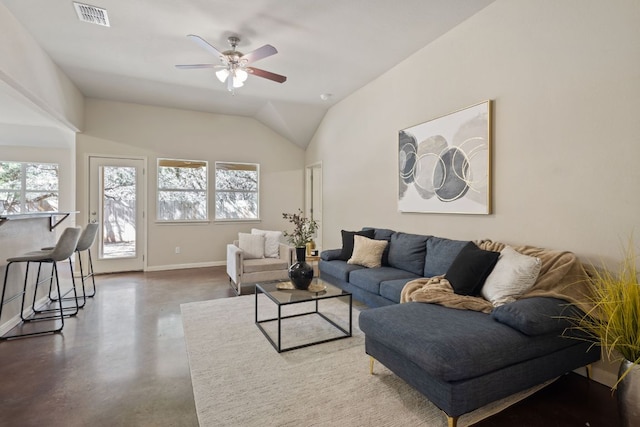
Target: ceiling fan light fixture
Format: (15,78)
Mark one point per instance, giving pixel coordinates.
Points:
(222,74)
(240,75)
(237,83)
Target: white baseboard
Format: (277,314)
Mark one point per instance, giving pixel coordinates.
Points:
(184,266)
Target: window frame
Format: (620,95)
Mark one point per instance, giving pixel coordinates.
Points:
(23,190)
(159,190)
(257,192)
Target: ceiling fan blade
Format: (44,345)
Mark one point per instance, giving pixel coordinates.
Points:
(266,74)
(206,46)
(259,53)
(192,66)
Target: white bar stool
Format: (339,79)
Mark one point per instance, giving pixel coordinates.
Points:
(63,250)
(87,238)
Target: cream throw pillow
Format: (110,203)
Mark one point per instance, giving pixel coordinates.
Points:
(512,276)
(252,245)
(271,242)
(367,252)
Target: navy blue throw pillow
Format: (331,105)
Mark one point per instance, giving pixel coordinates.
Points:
(347,241)
(470,269)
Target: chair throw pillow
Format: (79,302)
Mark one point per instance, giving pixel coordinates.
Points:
(271,242)
(513,275)
(367,252)
(252,245)
(347,241)
(470,269)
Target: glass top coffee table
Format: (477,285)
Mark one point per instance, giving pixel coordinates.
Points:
(287,297)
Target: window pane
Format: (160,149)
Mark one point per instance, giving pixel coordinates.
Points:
(236,180)
(182,190)
(236,205)
(42,177)
(10,175)
(188,178)
(119,211)
(37,202)
(182,205)
(237,191)
(9,202)
(28,187)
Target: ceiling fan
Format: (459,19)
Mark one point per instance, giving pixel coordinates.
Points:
(234,69)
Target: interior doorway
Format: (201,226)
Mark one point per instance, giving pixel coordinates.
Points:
(313,198)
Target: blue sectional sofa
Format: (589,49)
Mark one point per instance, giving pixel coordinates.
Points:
(459,359)
(404,260)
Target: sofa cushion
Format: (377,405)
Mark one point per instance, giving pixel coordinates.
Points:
(369,279)
(470,268)
(440,255)
(408,251)
(450,344)
(347,241)
(537,315)
(392,289)
(252,245)
(367,252)
(338,269)
(271,242)
(513,274)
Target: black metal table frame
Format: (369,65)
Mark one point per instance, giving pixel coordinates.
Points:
(278,345)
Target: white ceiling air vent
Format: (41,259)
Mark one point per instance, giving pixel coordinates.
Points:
(92,14)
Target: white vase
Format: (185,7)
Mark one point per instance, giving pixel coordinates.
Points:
(628,392)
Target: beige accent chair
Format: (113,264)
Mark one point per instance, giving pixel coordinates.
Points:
(243,271)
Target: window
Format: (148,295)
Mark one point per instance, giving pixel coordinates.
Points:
(237,191)
(28,187)
(182,190)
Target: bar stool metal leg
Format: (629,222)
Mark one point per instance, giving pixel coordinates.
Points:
(22,316)
(84,244)
(88,275)
(69,310)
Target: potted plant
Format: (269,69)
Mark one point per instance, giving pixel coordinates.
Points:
(614,324)
(304,228)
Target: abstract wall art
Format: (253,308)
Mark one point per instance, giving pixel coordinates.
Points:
(445,163)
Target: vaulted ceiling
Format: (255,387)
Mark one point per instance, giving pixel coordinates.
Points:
(324,47)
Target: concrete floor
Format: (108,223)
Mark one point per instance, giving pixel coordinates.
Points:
(122,362)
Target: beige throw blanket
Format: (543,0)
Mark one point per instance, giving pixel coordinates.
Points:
(561,276)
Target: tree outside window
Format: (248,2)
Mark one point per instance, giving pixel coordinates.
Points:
(28,187)
(182,190)
(237,191)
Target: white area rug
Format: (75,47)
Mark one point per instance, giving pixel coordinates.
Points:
(240,380)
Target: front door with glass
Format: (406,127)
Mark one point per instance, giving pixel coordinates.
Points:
(116,195)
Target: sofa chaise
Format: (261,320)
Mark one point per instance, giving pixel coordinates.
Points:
(462,359)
